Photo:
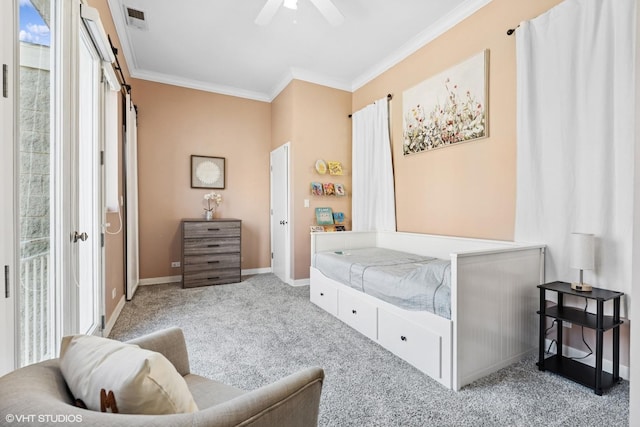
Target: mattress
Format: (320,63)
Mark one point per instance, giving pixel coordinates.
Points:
(409,281)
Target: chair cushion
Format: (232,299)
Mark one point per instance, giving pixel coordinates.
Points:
(110,375)
(208,393)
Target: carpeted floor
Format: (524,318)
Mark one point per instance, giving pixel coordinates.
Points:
(255,332)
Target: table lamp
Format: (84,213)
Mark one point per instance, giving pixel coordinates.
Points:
(581,257)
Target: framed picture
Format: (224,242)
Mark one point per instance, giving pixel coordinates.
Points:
(207,172)
(335,168)
(448,108)
(340,191)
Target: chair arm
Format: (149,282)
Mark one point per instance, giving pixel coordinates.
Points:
(171,344)
(290,401)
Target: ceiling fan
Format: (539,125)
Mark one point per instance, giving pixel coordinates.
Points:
(326,8)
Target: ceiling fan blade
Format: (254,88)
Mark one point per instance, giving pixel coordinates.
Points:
(329,11)
(268,12)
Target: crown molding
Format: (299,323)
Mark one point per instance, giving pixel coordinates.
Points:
(453,18)
(199,85)
(441,26)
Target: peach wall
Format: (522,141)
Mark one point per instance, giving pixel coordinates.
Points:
(315,120)
(469,189)
(322,130)
(173,124)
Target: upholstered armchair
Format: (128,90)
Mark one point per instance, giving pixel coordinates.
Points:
(40,392)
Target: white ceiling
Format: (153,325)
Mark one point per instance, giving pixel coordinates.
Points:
(214,45)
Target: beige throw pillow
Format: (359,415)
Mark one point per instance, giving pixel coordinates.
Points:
(141,381)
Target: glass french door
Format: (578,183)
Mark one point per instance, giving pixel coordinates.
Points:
(59,281)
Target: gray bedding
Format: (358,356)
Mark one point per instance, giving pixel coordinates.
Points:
(413,282)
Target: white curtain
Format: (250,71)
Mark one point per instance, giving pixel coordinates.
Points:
(575,73)
(131,171)
(373,197)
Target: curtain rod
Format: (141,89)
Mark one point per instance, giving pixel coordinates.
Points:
(124,84)
(389,98)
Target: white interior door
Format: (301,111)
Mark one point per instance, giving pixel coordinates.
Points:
(7,224)
(280,227)
(87,236)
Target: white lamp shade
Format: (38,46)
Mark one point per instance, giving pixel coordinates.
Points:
(581,251)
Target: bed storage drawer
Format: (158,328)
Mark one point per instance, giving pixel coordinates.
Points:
(325,296)
(357,313)
(411,342)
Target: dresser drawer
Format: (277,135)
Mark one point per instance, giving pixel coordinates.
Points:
(208,229)
(206,246)
(211,277)
(358,314)
(195,263)
(410,341)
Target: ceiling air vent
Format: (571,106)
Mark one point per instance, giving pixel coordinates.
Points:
(135,18)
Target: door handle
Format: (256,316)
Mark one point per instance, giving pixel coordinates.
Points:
(79,236)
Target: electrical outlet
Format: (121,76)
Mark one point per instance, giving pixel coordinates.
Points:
(306,203)
(175,264)
(113,293)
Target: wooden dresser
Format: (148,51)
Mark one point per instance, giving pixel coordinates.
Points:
(210,252)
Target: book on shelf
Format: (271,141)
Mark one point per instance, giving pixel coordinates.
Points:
(339,189)
(329,189)
(317,229)
(324,216)
(338,217)
(317,189)
(340,228)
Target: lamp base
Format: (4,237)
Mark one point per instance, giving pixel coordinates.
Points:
(581,287)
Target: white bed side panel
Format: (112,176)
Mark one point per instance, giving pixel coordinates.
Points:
(342,241)
(494,311)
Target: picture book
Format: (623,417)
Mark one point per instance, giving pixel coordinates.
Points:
(338,217)
(340,228)
(324,216)
(316,189)
(340,190)
(317,229)
(329,189)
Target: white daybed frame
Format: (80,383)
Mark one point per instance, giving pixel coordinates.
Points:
(493,304)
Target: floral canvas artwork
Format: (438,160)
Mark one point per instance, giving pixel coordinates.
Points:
(448,108)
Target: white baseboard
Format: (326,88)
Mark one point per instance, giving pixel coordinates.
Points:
(607,365)
(160,280)
(252,271)
(178,279)
(114,316)
(300,282)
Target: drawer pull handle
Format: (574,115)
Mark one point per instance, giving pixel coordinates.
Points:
(213,246)
(321,294)
(212,262)
(354,312)
(213,229)
(403,338)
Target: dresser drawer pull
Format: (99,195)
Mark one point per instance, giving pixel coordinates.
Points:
(403,338)
(213,246)
(321,294)
(213,229)
(213,278)
(212,262)
(354,312)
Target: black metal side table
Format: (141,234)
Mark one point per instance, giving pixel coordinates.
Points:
(570,368)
